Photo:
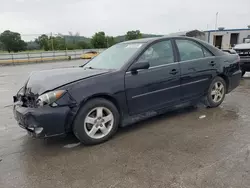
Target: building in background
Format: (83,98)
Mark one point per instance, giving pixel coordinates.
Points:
(227,38)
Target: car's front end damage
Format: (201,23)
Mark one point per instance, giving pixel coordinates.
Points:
(46,115)
(44,106)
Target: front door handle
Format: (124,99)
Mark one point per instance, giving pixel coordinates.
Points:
(212,63)
(173,71)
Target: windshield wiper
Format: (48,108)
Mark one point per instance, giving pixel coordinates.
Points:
(88,67)
(97,68)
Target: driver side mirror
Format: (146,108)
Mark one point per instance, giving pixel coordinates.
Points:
(139,66)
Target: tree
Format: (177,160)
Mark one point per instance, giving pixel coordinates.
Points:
(12,41)
(99,40)
(83,45)
(57,43)
(110,41)
(1,46)
(71,46)
(32,45)
(131,35)
(43,42)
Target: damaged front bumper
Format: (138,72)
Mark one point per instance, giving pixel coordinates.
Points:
(43,121)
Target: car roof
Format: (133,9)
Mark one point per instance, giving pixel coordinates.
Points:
(152,39)
(143,40)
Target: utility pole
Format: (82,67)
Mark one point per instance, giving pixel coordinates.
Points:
(216,20)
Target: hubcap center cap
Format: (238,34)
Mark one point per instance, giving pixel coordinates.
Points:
(99,122)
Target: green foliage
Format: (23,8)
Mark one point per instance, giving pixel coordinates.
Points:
(76,39)
(43,41)
(131,35)
(11,41)
(99,40)
(110,41)
(32,45)
(57,43)
(71,46)
(83,45)
(1,46)
(61,42)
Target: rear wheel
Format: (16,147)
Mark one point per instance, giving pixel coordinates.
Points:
(216,93)
(96,122)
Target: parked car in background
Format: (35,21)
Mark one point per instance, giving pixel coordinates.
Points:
(128,82)
(89,55)
(244,52)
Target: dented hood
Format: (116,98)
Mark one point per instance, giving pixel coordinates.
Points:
(42,81)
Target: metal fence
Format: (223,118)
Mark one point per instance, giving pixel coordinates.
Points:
(26,57)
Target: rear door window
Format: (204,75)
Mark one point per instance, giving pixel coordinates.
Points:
(190,50)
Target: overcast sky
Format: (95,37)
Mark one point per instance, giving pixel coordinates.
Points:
(116,17)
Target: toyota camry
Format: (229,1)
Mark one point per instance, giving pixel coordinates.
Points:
(126,83)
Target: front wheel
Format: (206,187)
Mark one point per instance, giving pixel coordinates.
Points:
(96,122)
(216,93)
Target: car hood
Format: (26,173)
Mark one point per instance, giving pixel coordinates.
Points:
(243,46)
(42,81)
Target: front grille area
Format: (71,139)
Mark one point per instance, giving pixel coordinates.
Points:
(243,52)
(29,101)
(26,100)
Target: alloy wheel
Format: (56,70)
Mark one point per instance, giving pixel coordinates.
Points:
(98,122)
(217,92)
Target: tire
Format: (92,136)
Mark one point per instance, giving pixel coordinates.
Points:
(213,93)
(91,128)
(243,73)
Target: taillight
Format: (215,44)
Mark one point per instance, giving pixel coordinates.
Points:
(238,61)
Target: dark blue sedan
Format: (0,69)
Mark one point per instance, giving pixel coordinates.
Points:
(128,82)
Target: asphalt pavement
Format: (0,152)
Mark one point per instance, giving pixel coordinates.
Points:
(187,148)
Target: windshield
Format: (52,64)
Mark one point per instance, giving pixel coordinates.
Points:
(114,57)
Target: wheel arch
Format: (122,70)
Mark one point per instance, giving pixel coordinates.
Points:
(225,78)
(103,96)
(100,95)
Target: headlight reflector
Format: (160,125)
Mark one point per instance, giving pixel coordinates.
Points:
(50,97)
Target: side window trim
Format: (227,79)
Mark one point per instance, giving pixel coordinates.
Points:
(205,49)
(173,51)
(153,68)
(200,45)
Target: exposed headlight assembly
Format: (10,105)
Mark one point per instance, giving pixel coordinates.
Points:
(50,98)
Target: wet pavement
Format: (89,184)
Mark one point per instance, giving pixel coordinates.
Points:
(207,148)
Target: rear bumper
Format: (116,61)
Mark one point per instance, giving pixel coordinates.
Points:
(234,80)
(42,122)
(245,64)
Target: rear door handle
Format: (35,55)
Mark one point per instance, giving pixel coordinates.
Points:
(212,63)
(174,71)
